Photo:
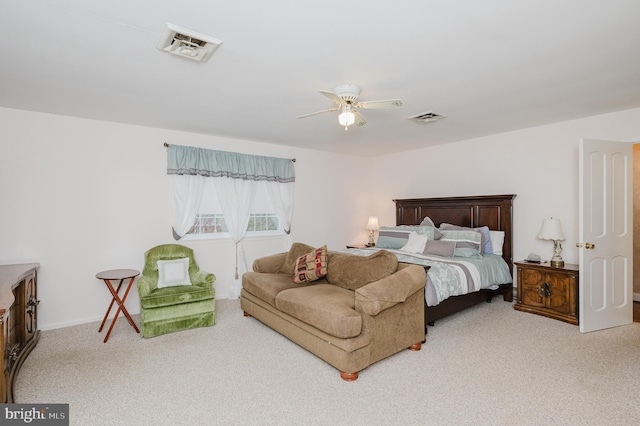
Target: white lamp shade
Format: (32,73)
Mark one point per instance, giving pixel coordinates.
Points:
(346,118)
(551,230)
(373,225)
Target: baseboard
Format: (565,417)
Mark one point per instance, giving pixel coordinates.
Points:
(636,297)
(54,326)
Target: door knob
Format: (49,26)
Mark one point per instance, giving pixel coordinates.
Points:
(586,245)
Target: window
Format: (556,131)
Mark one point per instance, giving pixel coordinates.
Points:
(215,224)
(210,223)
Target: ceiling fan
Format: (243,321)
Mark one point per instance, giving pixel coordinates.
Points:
(346,97)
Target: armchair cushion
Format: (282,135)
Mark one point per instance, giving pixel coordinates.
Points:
(176,295)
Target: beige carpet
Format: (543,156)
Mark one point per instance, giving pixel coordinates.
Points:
(490,365)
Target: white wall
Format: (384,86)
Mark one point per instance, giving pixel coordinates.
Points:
(81,196)
(539,164)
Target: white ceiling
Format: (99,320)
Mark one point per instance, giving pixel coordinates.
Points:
(489,66)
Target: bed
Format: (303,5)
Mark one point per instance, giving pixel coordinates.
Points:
(493,211)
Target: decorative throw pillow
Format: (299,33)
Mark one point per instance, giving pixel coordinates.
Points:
(487,246)
(311,266)
(296,250)
(416,243)
(173,272)
(468,242)
(427,222)
(440,248)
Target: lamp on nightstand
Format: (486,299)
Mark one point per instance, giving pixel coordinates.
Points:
(551,230)
(372,226)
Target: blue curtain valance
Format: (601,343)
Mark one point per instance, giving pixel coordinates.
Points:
(188,160)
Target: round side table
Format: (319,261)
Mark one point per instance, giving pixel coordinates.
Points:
(118,275)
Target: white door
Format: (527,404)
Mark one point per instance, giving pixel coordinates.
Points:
(606,234)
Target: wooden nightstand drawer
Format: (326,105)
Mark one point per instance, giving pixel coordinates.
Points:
(548,291)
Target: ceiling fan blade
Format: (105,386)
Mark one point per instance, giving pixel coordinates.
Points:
(389,103)
(334,98)
(317,112)
(359,121)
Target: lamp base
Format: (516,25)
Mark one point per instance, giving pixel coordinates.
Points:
(557,263)
(371,242)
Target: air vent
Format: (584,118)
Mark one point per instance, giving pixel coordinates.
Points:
(188,44)
(426,117)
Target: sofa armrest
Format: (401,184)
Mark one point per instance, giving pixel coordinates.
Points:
(377,296)
(269,264)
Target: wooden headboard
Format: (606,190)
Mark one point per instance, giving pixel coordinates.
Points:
(494,211)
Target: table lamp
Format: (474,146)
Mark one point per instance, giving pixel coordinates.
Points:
(551,230)
(372,226)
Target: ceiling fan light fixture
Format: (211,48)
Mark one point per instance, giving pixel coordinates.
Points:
(345,96)
(346,117)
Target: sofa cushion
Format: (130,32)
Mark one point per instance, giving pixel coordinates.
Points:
(296,250)
(311,266)
(352,271)
(326,307)
(267,286)
(168,296)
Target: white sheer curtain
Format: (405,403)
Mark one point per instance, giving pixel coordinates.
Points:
(235,179)
(281,196)
(236,200)
(187,196)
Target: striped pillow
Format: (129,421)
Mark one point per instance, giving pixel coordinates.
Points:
(468,243)
(487,247)
(395,237)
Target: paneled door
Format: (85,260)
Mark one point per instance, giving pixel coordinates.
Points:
(606,234)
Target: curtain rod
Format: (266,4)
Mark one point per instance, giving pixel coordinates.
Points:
(166,145)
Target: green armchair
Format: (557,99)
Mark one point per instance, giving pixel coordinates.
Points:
(167,302)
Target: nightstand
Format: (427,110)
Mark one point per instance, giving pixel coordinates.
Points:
(548,291)
(358,246)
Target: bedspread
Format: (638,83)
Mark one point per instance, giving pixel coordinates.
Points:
(453,276)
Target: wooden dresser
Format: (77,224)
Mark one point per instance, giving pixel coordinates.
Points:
(548,291)
(19,320)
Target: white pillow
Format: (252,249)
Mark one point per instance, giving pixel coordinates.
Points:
(173,272)
(497,240)
(416,243)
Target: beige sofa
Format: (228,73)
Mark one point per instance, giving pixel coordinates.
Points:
(364,310)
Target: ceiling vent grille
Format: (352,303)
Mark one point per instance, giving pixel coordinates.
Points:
(426,117)
(188,44)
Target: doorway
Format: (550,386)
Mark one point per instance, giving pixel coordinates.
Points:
(636,232)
